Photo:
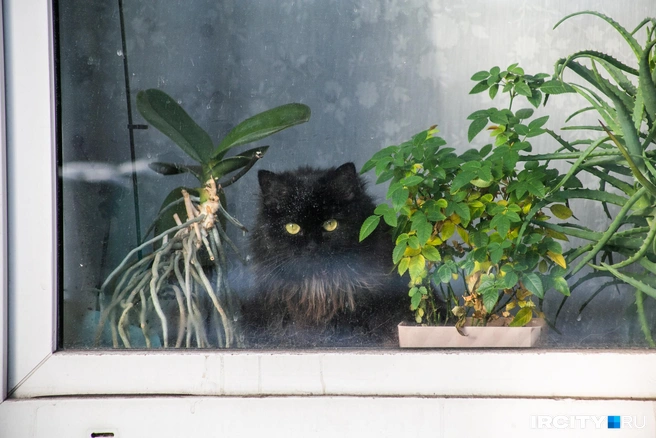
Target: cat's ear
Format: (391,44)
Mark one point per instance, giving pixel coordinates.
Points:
(271,186)
(265,178)
(346,181)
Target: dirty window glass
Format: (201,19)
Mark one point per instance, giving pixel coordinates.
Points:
(212,193)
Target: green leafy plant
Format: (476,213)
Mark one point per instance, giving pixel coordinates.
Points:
(471,214)
(188,262)
(618,153)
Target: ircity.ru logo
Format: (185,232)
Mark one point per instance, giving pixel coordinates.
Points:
(587,421)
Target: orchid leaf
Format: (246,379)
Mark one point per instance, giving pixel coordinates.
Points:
(163,112)
(262,125)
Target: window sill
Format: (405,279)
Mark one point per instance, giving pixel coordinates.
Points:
(598,374)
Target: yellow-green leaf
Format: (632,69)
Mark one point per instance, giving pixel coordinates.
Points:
(464,234)
(557,235)
(431,253)
(522,318)
(403,265)
(448,228)
(434,241)
(410,252)
(476,204)
(557,259)
(561,211)
(417,266)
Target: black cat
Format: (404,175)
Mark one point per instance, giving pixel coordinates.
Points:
(317,285)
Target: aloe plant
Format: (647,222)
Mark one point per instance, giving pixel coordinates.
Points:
(188,263)
(618,154)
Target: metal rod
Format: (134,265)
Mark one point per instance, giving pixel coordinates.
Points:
(131,126)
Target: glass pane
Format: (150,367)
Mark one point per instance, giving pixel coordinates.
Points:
(150,94)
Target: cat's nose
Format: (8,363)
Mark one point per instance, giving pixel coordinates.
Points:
(312,245)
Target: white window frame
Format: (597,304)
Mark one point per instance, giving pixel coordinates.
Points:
(33,368)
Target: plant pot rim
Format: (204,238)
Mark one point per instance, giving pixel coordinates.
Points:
(415,336)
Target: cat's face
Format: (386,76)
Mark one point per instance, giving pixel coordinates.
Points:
(312,213)
(306,254)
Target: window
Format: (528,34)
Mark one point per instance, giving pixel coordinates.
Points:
(38,366)
(373,75)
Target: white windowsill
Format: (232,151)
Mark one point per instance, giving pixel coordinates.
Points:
(535,373)
(327,417)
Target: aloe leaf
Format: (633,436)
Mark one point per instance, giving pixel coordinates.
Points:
(648,265)
(564,196)
(635,46)
(644,324)
(594,195)
(164,113)
(581,111)
(642,23)
(564,143)
(646,82)
(620,78)
(582,127)
(611,163)
(609,88)
(635,168)
(599,82)
(649,138)
(615,182)
(651,169)
(603,58)
(574,168)
(620,241)
(579,232)
(602,107)
(638,111)
(612,228)
(262,125)
(231,164)
(635,280)
(575,253)
(630,135)
(569,155)
(644,248)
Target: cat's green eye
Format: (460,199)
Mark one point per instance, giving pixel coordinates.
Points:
(330,225)
(292,228)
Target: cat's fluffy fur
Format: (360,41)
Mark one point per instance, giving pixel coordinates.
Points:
(317,280)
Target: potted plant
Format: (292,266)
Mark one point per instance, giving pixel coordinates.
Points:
(617,154)
(468,217)
(187,262)
(624,97)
